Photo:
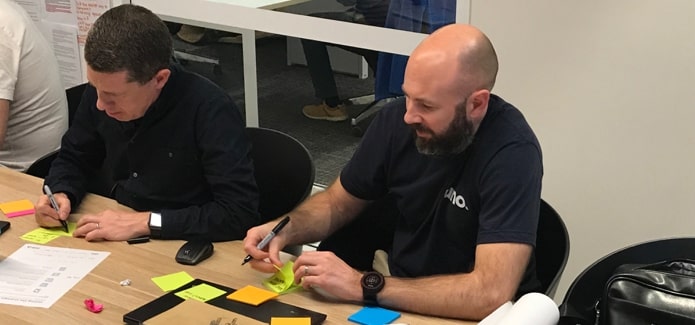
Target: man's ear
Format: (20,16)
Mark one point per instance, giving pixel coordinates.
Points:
(478,102)
(161,78)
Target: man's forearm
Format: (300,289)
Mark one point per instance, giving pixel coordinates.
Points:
(460,296)
(494,280)
(322,214)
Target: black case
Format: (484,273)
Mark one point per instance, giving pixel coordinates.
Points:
(262,312)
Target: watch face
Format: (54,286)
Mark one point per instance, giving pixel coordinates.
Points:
(373,280)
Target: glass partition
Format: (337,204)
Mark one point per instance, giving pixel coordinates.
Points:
(276,61)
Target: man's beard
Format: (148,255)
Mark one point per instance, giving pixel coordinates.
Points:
(455,139)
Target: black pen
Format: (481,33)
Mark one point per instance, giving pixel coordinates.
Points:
(51,198)
(268,237)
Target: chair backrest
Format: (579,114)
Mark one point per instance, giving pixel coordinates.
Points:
(40,167)
(284,171)
(74,96)
(578,305)
(552,248)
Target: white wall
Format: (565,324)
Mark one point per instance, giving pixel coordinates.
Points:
(608,87)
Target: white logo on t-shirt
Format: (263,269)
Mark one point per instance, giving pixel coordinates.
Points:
(456,200)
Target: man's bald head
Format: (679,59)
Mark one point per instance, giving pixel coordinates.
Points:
(463,49)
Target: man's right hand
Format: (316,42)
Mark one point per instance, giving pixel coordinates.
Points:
(46,215)
(271,252)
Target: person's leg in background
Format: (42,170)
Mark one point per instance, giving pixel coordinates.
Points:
(319,64)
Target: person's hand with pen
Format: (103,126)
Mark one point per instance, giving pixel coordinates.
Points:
(49,216)
(261,244)
(106,225)
(321,271)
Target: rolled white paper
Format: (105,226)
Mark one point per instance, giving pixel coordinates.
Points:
(532,309)
(495,317)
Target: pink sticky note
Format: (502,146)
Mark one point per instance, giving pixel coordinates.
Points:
(20,213)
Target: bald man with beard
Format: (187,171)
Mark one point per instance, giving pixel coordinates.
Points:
(464,170)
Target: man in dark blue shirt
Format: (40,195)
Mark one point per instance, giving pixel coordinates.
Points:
(166,142)
(463,169)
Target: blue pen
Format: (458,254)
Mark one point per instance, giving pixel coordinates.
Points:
(51,198)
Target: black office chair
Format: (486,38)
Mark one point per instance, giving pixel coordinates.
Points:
(578,306)
(74,95)
(552,248)
(40,167)
(284,173)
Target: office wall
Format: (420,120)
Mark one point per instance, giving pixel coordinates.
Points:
(608,87)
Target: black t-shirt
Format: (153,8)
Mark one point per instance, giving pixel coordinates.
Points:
(490,193)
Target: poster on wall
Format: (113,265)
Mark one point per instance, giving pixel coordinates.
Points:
(65,24)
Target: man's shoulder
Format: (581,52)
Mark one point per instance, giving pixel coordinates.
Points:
(505,122)
(187,85)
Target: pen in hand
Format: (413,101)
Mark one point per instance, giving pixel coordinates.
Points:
(52,198)
(268,237)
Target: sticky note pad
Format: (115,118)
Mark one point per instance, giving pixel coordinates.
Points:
(290,321)
(283,280)
(44,235)
(252,295)
(17,208)
(202,292)
(374,316)
(172,281)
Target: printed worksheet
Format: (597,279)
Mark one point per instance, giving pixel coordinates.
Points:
(37,275)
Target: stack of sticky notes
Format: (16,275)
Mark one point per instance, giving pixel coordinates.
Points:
(17,208)
(374,316)
(172,281)
(283,280)
(202,292)
(290,321)
(252,295)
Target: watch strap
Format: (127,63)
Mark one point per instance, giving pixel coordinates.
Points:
(372,283)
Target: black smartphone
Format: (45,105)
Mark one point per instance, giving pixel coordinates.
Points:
(4,225)
(138,240)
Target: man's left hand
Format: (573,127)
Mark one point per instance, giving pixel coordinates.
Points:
(112,225)
(329,275)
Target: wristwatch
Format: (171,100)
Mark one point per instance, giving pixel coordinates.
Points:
(372,283)
(155,224)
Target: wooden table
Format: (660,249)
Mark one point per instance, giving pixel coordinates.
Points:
(139,263)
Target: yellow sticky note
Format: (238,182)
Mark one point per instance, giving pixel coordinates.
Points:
(172,281)
(252,295)
(290,321)
(17,208)
(43,235)
(283,280)
(202,292)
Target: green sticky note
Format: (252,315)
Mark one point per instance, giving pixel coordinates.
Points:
(202,292)
(172,281)
(44,235)
(282,281)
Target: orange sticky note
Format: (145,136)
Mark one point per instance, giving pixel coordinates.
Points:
(17,208)
(290,321)
(252,295)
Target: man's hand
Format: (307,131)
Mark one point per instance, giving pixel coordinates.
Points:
(326,272)
(46,215)
(272,252)
(113,225)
